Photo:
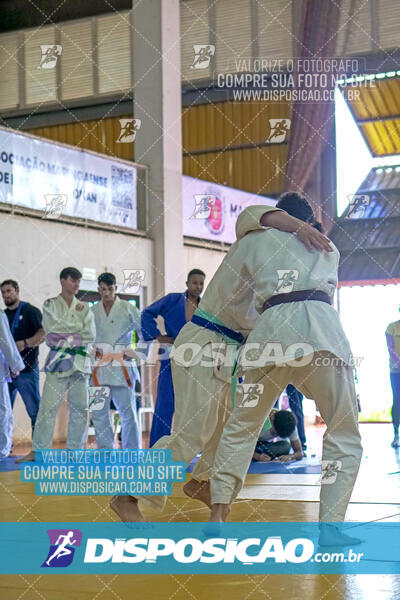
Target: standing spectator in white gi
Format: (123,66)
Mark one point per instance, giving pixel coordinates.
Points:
(115,368)
(69,328)
(10,363)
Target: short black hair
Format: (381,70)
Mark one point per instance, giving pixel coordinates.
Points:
(195,272)
(296,206)
(11,282)
(284,423)
(318,225)
(107,278)
(70,272)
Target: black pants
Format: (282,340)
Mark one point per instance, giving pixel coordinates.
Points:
(296,406)
(273,449)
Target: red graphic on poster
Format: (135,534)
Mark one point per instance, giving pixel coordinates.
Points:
(215,220)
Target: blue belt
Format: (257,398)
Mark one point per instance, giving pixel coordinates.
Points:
(221,329)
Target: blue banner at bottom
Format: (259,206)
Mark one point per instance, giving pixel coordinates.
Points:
(200,548)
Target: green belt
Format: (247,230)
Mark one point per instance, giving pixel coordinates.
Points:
(234,379)
(64,352)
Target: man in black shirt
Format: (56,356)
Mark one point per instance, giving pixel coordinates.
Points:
(25,323)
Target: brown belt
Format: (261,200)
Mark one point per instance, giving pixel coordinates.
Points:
(299,296)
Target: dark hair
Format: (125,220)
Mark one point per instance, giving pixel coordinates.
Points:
(318,225)
(195,272)
(284,423)
(296,206)
(70,272)
(107,278)
(11,282)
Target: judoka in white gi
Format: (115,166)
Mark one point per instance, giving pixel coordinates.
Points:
(11,363)
(202,383)
(70,329)
(293,293)
(116,320)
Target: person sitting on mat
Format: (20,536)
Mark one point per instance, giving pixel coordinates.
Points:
(280,424)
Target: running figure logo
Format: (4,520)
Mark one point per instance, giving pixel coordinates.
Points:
(202,55)
(203,205)
(286,280)
(129,128)
(251,394)
(50,54)
(279,128)
(132,280)
(357,206)
(330,470)
(98,395)
(55,203)
(62,547)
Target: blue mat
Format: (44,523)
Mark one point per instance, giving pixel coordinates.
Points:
(298,467)
(9,464)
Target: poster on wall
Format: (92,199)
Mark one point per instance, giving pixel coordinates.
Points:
(210,210)
(59,180)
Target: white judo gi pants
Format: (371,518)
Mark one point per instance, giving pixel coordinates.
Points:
(202,406)
(332,389)
(124,399)
(76,386)
(6,421)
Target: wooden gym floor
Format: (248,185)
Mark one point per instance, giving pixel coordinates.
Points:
(264,498)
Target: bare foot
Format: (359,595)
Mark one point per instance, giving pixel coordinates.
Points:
(28,457)
(330,535)
(127,508)
(198,490)
(219,513)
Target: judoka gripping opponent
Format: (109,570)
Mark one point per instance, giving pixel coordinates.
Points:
(225,317)
(310,350)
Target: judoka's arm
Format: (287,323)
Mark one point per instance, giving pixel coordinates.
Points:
(8,347)
(297,452)
(136,320)
(150,330)
(307,234)
(88,330)
(38,337)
